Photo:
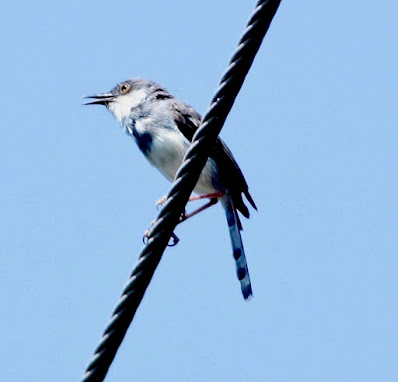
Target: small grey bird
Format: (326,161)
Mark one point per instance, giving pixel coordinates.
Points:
(163,127)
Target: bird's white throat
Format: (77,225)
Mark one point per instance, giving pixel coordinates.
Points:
(122,106)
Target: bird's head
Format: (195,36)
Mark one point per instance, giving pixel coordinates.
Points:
(125,97)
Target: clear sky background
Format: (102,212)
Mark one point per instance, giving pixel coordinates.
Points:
(315,132)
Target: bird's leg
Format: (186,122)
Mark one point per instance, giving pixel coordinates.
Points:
(218,194)
(213,200)
(186,216)
(215,195)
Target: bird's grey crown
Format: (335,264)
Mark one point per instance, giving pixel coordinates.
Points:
(136,84)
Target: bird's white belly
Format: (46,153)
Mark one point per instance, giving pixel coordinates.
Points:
(167,153)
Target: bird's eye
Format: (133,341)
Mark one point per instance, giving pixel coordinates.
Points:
(124,88)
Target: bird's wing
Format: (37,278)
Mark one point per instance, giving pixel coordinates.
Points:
(188,121)
(186,118)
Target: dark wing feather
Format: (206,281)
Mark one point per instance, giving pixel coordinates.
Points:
(231,176)
(188,121)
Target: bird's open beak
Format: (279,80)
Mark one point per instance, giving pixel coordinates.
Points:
(100,99)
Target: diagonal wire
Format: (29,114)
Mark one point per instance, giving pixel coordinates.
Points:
(186,178)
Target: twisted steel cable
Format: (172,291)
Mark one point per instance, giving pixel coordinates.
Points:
(186,178)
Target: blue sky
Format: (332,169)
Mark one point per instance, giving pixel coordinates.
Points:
(315,132)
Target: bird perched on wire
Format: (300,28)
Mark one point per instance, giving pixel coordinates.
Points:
(163,127)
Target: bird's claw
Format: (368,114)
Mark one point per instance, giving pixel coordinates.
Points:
(172,243)
(145,238)
(175,240)
(160,203)
(183,217)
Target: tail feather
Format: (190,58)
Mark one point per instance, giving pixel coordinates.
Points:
(235,227)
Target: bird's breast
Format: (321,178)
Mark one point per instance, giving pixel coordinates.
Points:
(167,152)
(165,148)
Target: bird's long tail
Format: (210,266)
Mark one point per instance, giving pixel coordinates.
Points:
(235,227)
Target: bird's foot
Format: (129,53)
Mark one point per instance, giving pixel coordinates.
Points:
(184,216)
(160,203)
(173,242)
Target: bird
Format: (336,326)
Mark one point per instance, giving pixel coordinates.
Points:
(163,127)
